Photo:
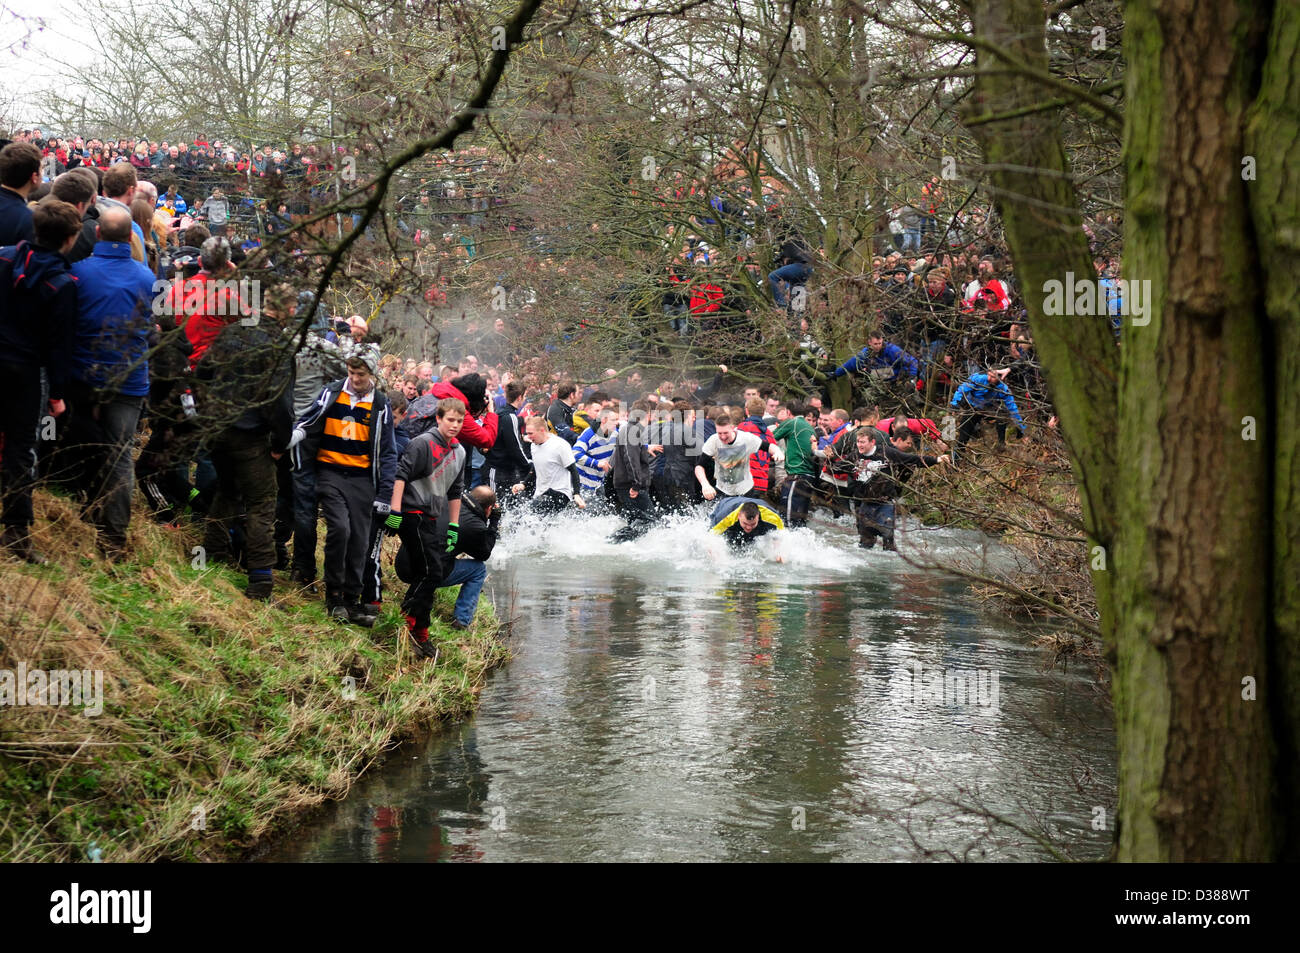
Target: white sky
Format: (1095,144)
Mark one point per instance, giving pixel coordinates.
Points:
(26,68)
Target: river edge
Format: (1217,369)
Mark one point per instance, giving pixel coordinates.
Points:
(225,724)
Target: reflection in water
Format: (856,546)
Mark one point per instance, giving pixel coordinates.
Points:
(668,701)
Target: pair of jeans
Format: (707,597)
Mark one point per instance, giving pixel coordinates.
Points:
(469,574)
(100,436)
(20,419)
(792,274)
(911,239)
(876,520)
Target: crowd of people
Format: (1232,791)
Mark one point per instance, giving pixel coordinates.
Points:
(249,193)
(261,430)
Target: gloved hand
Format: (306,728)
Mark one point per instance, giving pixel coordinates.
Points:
(393,524)
(382,508)
(453,534)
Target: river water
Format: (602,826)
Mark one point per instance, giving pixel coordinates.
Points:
(668,700)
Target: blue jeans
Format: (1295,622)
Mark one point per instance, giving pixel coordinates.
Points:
(911,239)
(469,575)
(795,274)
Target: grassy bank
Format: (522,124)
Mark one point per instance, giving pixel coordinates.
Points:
(223,720)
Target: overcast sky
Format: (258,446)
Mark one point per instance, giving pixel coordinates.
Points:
(25,66)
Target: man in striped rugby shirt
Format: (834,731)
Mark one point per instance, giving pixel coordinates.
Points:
(347,436)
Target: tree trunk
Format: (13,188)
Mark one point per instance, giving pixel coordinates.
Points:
(1196,510)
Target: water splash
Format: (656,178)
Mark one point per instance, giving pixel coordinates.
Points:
(827,548)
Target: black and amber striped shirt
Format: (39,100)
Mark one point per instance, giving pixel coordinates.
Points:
(345,441)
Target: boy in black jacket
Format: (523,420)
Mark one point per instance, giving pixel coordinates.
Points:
(347,435)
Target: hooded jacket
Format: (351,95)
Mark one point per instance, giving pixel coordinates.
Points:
(431,468)
(479,436)
(38,311)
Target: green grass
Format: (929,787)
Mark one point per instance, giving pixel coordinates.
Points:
(224,720)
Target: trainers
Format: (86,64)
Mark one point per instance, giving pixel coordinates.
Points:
(19,542)
(303,580)
(340,612)
(457,624)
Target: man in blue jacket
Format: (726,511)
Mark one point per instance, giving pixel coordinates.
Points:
(38,309)
(979,397)
(889,362)
(110,375)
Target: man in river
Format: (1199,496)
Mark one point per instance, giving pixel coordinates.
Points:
(555,480)
(740,521)
(879,471)
(466,565)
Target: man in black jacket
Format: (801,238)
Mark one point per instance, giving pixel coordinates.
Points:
(632,459)
(507,463)
(559,416)
(672,478)
(247,408)
(38,315)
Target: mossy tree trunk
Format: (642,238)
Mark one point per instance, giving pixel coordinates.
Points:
(1191,493)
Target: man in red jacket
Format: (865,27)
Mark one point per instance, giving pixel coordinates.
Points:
(209,301)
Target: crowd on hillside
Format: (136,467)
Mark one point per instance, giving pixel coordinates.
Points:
(260,431)
(252,192)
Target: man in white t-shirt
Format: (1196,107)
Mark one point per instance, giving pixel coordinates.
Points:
(731,449)
(555,472)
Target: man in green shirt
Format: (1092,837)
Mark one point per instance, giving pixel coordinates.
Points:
(800,464)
